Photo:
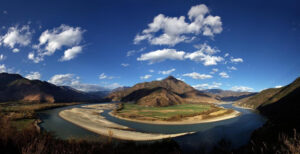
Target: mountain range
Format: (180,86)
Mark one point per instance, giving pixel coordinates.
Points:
(169,91)
(14,87)
(228,95)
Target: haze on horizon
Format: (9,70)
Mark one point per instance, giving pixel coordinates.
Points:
(208,44)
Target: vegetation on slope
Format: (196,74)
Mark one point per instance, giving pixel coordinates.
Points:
(269,96)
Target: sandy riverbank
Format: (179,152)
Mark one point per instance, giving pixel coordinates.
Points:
(190,120)
(90,119)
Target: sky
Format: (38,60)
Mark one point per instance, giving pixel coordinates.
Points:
(236,45)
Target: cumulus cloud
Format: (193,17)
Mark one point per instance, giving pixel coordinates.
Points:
(178,29)
(52,40)
(71,53)
(33,76)
(147,76)
(204,55)
(203,86)
(167,71)
(3,68)
(236,60)
(196,75)
(125,64)
(279,86)
(224,75)
(17,36)
(74,82)
(62,79)
(16,50)
(242,89)
(161,55)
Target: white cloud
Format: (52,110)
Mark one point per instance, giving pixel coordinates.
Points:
(5,12)
(224,75)
(167,71)
(279,86)
(178,29)
(125,64)
(214,70)
(62,79)
(159,79)
(71,53)
(16,50)
(104,76)
(226,55)
(151,70)
(2,57)
(33,76)
(147,76)
(196,75)
(17,36)
(203,86)
(132,52)
(205,48)
(52,40)
(73,81)
(236,60)
(3,68)
(161,55)
(242,89)
(232,68)
(205,55)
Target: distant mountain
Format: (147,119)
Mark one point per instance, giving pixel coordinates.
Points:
(166,92)
(228,95)
(120,89)
(14,87)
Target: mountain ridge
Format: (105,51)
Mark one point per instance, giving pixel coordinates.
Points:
(169,91)
(14,87)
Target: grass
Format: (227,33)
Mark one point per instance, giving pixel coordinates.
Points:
(22,123)
(163,113)
(22,114)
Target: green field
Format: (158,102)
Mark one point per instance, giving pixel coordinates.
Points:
(162,113)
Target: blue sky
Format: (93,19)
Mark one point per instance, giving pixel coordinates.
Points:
(237,45)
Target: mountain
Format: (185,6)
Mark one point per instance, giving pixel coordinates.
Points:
(166,92)
(228,95)
(284,106)
(14,87)
(120,89)
(271,96)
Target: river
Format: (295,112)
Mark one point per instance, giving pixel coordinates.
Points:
(235,131)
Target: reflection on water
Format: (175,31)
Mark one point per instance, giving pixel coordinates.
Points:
(236,130)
